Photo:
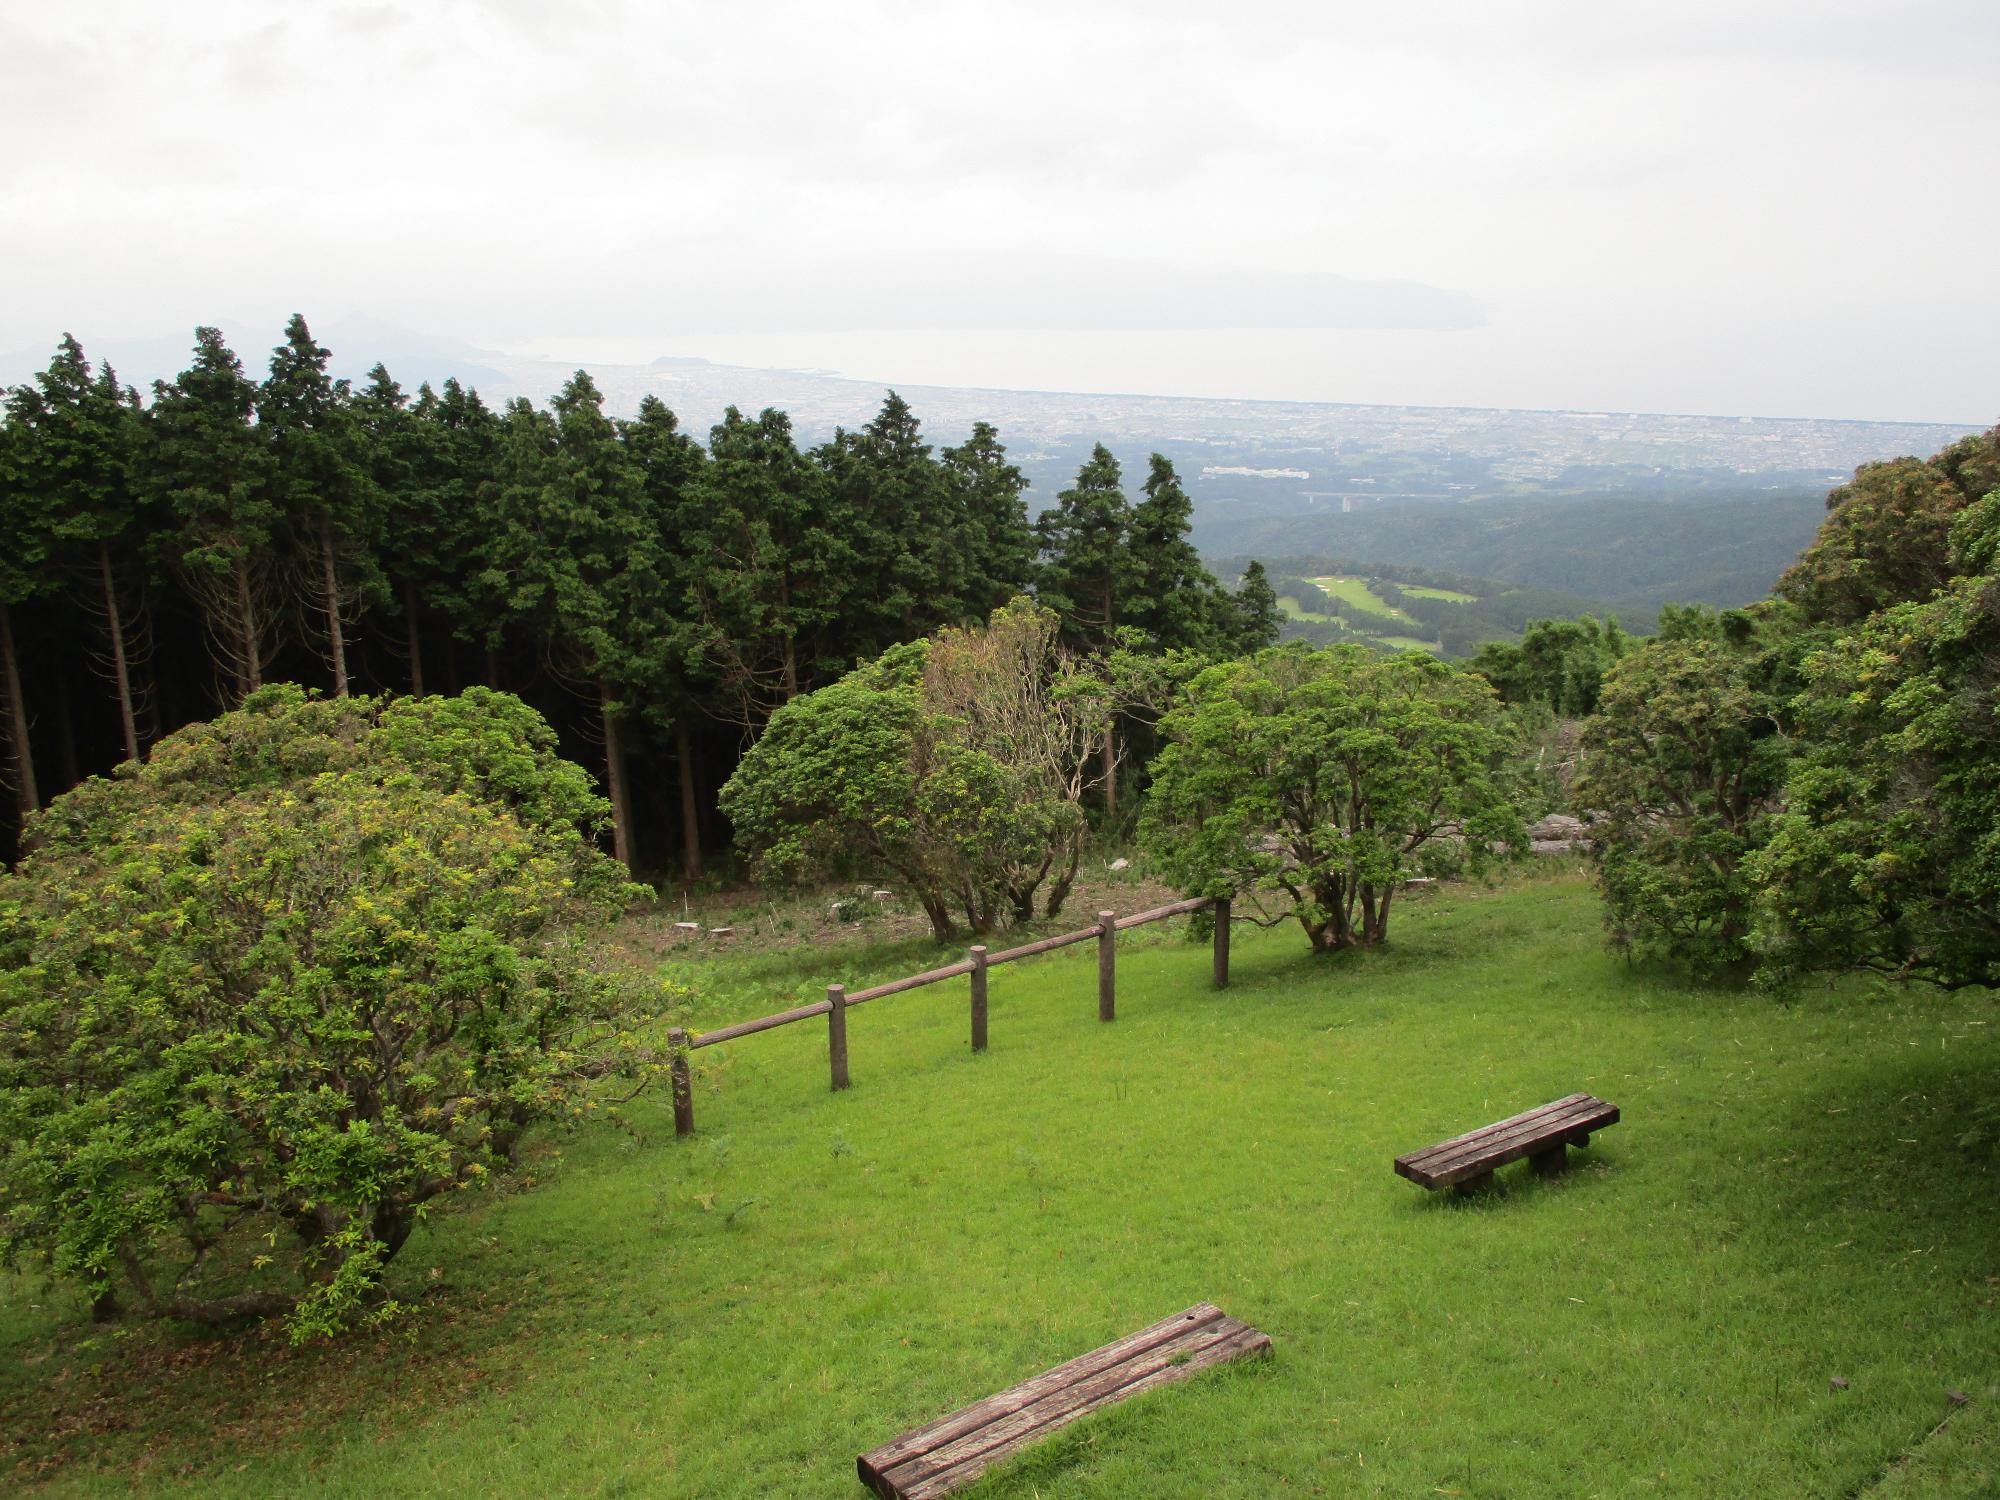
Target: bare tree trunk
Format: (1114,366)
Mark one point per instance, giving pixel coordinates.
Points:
(690,826)
(416,638)
(1110,772)
(26,798)
(791,669)
(128,717)
(250,668)
(329,581)
(493,669)
(614,779)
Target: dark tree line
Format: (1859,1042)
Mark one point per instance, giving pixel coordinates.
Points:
(656,597)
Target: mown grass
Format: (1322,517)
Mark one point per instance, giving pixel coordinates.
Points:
(1784,1203)
(1359,593)
(1424,591)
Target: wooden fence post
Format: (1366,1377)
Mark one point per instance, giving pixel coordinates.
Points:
(1222,943)
(1107,966)
(836,1034)
(978,956)
(683,1084)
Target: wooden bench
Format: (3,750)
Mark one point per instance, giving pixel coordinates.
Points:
(952,1452)
(1543,1135)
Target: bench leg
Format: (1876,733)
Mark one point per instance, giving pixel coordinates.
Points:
(1472,1185)
(1550,1163)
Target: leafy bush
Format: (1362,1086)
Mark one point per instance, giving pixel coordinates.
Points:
(270,994)
(1685,761)
(958,763)
(1328,776)
(1888,854)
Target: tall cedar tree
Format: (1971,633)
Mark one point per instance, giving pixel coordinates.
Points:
(1257,614)
(670,659)
(1086,564)
(319,487)
(73,463)
(573,553)
(210,466)
(989,496)
(447,530)
(1169,594)
(391,450)
(770,566)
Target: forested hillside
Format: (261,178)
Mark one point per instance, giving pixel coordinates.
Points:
(654,596)
(1629,553)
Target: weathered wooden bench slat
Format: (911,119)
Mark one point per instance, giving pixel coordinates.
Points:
(950,1453)
(1499,1135)
(1541,1133)
(1471,1136)
(1506,1133)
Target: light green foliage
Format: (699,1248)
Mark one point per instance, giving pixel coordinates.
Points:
(1329,776)
(266,996)
(1888,854)
(1685,760)
(958,765)
(1782,1204)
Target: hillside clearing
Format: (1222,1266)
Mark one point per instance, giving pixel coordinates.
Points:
(742,1313)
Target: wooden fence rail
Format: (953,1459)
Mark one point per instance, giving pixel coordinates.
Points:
(976,964)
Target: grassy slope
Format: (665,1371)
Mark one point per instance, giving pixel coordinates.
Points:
(1357,592)
(1450,596)
(741,1314)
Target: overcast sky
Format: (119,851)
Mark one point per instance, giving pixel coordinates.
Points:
(1753,206)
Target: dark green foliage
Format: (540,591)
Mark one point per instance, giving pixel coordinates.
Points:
(1085,563)
(989,497)
(211,468)
(1684,762)
(265,997)
(1887,855)
(1255,605)
(1560,663)
(654,598)
(320,484)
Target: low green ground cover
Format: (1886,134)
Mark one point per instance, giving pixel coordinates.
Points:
(1425,591)
(740,1314)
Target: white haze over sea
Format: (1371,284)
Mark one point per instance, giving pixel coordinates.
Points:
(1775,208)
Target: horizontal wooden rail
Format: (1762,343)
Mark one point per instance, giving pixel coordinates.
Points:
(1161,913)
(915,981)
(1046,945)
(762,1023)
(837,1003)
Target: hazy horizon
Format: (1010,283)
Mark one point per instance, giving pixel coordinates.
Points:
(1666,208)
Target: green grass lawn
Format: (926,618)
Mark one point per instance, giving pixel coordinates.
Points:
(1450,596)
(740,1314)
(1357,592)
(1289,604)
